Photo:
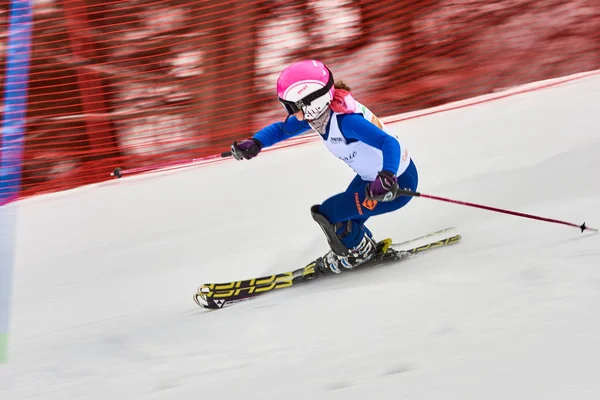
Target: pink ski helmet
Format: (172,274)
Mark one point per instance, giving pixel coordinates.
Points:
(308,86)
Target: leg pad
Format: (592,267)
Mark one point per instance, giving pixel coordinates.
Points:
(329,230)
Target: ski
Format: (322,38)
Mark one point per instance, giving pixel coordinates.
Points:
(221,295)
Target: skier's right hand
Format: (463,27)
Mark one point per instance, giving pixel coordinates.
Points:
(246,149)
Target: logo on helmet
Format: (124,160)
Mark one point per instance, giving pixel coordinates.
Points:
(303,89)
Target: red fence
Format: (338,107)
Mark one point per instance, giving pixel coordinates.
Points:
(137,82)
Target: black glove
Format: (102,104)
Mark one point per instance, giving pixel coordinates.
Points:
(246,149)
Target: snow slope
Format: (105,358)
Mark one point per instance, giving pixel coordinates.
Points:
(105,274)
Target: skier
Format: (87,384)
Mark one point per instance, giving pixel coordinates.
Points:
(352,133)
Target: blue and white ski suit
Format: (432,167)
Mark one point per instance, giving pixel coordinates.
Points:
(365,144)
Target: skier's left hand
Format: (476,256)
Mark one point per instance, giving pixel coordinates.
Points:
(383,188)
(246,149)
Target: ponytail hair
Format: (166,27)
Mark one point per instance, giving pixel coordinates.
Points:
(342,102)
(341,85)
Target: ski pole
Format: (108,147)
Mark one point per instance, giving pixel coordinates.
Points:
(583,227)
(119,172)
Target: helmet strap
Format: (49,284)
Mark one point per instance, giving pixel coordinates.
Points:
(308,99)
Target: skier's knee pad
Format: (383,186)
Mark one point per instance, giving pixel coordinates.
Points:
(330,230)
(341,229)
(342,235)
(351,233)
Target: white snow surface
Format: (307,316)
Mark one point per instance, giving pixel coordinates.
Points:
(104,275)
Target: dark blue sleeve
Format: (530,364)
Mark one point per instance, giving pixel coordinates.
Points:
(278,131)
(355,126)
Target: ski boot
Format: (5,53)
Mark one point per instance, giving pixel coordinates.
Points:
(323,265)
(364,251)
(340,257)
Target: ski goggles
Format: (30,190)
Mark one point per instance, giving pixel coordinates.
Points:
(292,107)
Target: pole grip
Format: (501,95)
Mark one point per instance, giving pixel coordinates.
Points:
(406,192)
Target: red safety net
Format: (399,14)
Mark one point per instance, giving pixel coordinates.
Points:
(134,83)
